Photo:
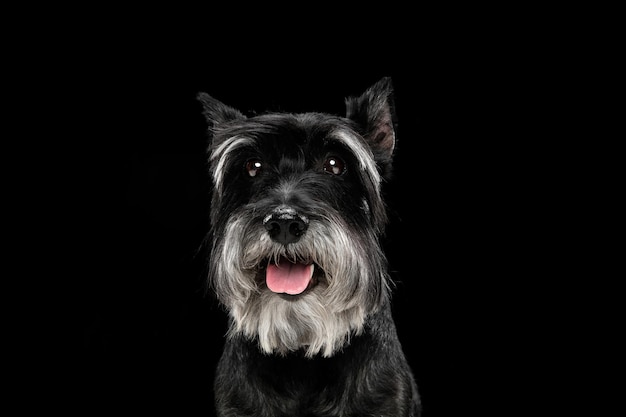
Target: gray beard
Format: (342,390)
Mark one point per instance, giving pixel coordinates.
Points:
(319,321)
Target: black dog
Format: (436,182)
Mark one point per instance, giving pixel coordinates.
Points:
(296,219)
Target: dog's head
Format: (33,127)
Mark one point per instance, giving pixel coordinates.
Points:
(296,217)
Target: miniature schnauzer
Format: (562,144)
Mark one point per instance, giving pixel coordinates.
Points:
(296,260)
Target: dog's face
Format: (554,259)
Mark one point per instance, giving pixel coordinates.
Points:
(296,216)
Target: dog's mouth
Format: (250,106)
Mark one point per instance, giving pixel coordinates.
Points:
(292,278)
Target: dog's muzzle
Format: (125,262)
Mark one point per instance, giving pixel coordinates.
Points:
(285,225)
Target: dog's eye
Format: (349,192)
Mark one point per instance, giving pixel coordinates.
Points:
(334,165)
(253,167)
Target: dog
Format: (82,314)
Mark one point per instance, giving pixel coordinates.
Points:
(296,260)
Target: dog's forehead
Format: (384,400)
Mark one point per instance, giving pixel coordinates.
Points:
(289,134)
(298,127)
(303,120)
(308,124)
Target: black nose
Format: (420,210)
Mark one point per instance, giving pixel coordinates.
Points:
(285,228)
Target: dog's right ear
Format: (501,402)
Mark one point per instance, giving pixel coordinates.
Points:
(217,112)
(374,110)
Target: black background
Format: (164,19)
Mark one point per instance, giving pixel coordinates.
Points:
(150,336)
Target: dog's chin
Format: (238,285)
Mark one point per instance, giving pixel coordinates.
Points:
(282,323)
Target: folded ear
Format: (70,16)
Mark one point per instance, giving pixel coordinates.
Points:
(374,110)
(217,112)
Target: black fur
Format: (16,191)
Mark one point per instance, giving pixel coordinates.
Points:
(306,189)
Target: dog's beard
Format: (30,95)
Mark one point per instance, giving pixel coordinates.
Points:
(349,282)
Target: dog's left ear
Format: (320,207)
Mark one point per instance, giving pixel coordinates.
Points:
(374,110)
(217,112)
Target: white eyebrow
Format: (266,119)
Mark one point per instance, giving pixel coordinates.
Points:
(362,152)
(221,153)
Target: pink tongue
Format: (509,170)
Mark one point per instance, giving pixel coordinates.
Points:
(288,277)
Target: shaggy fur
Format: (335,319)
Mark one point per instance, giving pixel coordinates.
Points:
(302,192)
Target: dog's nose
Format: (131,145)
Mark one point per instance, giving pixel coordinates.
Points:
(285,228)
